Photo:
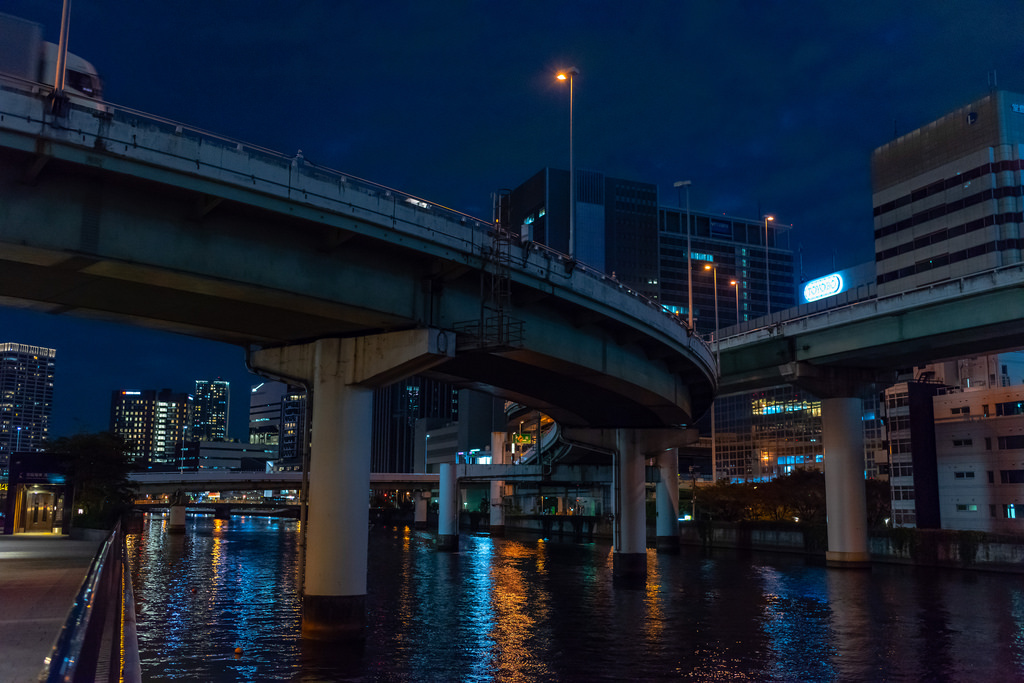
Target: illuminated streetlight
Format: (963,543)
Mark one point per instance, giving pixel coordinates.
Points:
(736,284)
(567,75)
(718,364)
(767,269)
(18,446)
(689,270)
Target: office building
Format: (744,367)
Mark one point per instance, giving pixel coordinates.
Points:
(616,228)
(211,407)
(295,431)
(623,230)
(931,422)
(239,457)
(979,454)
(947,196)
(396,410)
(155,425)
(26,398)
(265,412)
(750,276)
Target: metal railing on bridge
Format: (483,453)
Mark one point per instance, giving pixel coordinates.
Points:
(222,156)
(98,641)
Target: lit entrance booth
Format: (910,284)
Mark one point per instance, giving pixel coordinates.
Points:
(39,491)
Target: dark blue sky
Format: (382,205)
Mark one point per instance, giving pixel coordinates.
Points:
(767,106)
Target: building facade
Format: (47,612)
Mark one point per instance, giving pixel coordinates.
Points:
(622,230)
(265,412)
(397,408)
(211,407)
(26,398)
(979,449)
(616,226)
(947,196)
(156,426)
(753,276)
(938,420)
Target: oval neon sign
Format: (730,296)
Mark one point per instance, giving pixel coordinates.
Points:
(823,287)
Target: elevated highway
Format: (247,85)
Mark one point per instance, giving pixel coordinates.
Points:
(827,350)
(124,216)
(340,285)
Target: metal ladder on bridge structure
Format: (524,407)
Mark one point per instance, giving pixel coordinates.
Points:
(495,330)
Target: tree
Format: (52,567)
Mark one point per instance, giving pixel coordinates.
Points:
(99,467)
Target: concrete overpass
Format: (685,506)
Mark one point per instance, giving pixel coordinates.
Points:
(825,350)
(338,284)
(217,480)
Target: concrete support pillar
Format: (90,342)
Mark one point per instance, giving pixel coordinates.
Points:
(176,520)
(448,513)
(421,500)
(334,603)
(667,498)
(341,374)
(845,502)
(497,521)
(629,528)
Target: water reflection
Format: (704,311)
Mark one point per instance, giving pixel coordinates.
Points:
(528,610)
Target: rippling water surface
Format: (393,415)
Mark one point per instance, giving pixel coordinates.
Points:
(532,610)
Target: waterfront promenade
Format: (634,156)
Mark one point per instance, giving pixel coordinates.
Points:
(40,575)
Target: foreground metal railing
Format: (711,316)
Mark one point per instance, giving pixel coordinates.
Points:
(98,641)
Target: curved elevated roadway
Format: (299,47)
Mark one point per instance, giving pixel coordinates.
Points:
(116,214)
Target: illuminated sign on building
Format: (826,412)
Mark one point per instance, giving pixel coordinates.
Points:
(823,287)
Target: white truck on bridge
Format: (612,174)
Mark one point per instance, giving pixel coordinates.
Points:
(26,56)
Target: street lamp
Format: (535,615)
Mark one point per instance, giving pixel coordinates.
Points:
(718,364)
(567,75)
(17,448)
(736,284)
(767,269)
(689,271)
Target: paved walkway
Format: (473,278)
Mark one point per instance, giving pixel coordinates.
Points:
(40,575)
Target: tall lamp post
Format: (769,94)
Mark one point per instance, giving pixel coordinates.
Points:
(767,268)
(689,270)
(567,75)
(718,364)
(18,446)
(736,284)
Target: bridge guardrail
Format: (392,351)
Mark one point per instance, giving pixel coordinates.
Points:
(908,298)
(303,177)
(103,607)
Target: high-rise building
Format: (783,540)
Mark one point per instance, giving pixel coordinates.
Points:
(736,248)
(211,408)
(265,412)
(396,410)
(622,230)
(947,196)
(616,228)
(294,425)
(931,421)
(155,425)
(26,398)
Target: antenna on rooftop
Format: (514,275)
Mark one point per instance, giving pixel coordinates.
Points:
(992,80)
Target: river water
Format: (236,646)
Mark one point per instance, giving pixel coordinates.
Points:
(533,610)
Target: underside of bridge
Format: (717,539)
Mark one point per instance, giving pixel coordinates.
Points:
(338,285)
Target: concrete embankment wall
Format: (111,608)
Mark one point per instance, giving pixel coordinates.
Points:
(922,547)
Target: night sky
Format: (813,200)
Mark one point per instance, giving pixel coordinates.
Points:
(767,106)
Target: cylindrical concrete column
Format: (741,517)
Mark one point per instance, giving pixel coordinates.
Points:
(336,556)
(667,498)
(497,521)
(176,520)
(447,513)
(845,501)
(629,529)
(420,500)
